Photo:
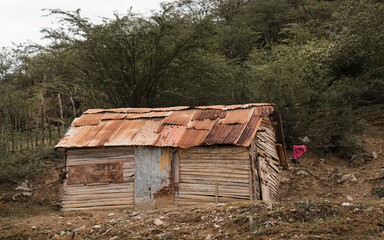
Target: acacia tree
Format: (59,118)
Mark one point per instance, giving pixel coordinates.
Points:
(135,61)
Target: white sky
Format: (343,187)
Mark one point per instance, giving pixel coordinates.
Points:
(22,20)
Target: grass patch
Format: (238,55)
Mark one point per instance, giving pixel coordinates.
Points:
(379,192)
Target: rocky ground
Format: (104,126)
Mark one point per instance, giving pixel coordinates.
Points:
(320,198)
(251,220)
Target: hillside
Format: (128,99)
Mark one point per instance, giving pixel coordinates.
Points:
(319,198)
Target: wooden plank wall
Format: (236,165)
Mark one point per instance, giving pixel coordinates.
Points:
(213,174)
(267,160)
(100,194)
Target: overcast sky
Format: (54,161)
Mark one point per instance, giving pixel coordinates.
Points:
(22,20)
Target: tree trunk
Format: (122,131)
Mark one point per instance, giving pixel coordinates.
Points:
(73,106)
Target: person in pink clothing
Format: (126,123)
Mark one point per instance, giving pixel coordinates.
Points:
(298,151)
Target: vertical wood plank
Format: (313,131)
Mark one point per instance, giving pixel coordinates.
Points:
(216,192)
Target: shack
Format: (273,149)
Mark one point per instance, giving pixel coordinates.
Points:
(156,157)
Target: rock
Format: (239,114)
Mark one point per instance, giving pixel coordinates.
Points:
(208,237)
(111,214)
(96,226)
(79,229)
(162,236)
(158,222)
(302,172)
(349,198)
(23,187)
(305,139)
(351,177)
(346,204)
(285,180)
(374,155)
(27,194)
(69,224)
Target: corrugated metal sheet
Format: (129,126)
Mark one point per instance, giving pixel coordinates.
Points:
(179,117)
(169,135)
(117,110)
(87,119)
(214,107)
(249,131)
(167,109)
(147,135)
(113,116)
(209,114)
(148,115)
(183,127)
(205,124)
(139,110)
(241,116)
(191,138)
(224,134)
(93,111)
(123,137)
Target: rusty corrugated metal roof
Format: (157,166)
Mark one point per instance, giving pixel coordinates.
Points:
(241,116)
(179,117)
(169,135)
(192,138)
(224,134)
(249,131)
(209,114)
(182,127)
(205,124)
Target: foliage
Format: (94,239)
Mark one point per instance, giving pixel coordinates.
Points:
(27,164)
(320,62)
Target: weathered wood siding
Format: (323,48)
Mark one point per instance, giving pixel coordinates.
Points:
(267,160)
(213,174)
(99,178)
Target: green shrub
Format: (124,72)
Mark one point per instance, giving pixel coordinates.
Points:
(379,192)
(14,166)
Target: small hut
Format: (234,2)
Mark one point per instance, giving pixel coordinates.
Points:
(156,157)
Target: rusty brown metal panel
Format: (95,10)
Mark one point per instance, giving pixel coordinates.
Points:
(113,116)
(148,115)
(264,110)
(104,132)
(224,134)
(147,136)
(88,119)
(249,131)
(124,135)
(117,110)
(139,110)
(93,111)
(238,116)
(179,117)
(205,124)
(213,107)
(167,109)
(77,140)
(165,126)
(98,173)
(192,138)
(209,114)
(169,135)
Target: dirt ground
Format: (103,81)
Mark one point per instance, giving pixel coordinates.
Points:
(320,198)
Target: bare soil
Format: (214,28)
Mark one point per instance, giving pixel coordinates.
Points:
(320,198)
